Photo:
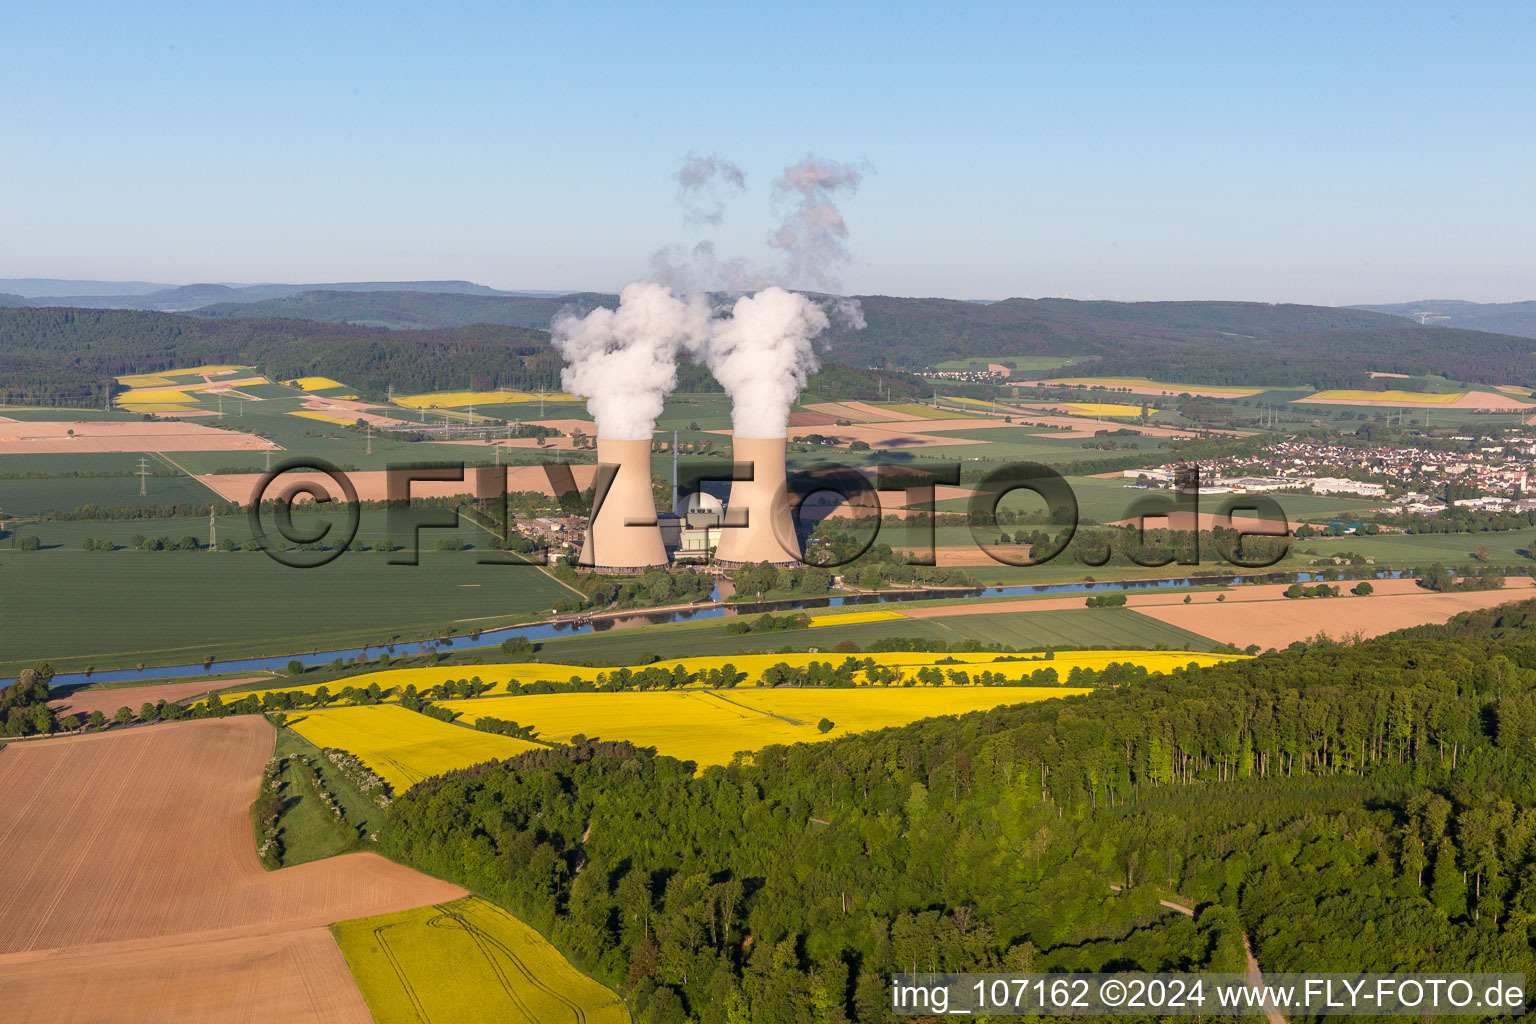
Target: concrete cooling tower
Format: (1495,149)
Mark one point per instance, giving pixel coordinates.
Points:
(612,545)
(769,535)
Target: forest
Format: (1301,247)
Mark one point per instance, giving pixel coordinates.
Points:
(1370,805)
(70,356)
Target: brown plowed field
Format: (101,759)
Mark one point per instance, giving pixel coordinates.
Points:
(1262,614)
(1282,622)
(298,977)
(373,485)
(83,702)
(52,437)
(130,854)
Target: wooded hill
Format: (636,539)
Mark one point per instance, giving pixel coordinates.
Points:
(70,356)
(1371,805)
(1195,342)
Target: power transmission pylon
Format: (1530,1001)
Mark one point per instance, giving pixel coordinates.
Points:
(370,436)
(213,529)
(143,476)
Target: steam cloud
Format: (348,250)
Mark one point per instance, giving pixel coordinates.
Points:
(703,185)
(759,346)
(762,355)
(624,361)
(812,237)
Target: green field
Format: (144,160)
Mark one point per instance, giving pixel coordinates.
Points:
(1084,627)
(1512,547)
(310,830)
(1019,363)
(116,609)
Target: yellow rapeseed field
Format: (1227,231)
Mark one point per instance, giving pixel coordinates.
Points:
(923,411)
(401,746)
(142,407)
(1104,409)
(852,618)
(468,960)
(322,417)
(709,727)
(458,399)
(753,665)
(169,378)
(1387,397)
(140,396)
(314,383)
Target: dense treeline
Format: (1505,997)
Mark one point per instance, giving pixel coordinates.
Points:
(1372,805)
(24,706)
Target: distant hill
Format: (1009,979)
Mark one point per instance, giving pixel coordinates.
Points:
(32,287)
(411,309)
(1193,342)
(1499,317)
(192,296)
(70,356)
(1233,343)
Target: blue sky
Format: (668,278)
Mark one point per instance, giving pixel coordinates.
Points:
(1328,153)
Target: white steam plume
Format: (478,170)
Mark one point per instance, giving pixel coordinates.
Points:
(813,234)
(762,355)
(624,361)
(704,183)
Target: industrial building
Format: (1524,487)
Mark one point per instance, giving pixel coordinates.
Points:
(754,525)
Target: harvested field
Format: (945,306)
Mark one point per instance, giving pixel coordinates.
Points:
(83,702)
(373,485)
(1283,621)
(1485,400)
(807,418)
(64,437)
(568,426)
(1279,620)
(857,412)
(131,861)
(297,977)
(350,411)
(1061,415)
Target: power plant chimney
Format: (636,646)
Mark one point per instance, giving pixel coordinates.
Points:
(769,533)
(612,545)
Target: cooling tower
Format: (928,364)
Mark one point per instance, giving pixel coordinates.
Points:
(612,545)
(769,533)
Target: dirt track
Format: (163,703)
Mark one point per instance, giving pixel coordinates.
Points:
(134,886)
